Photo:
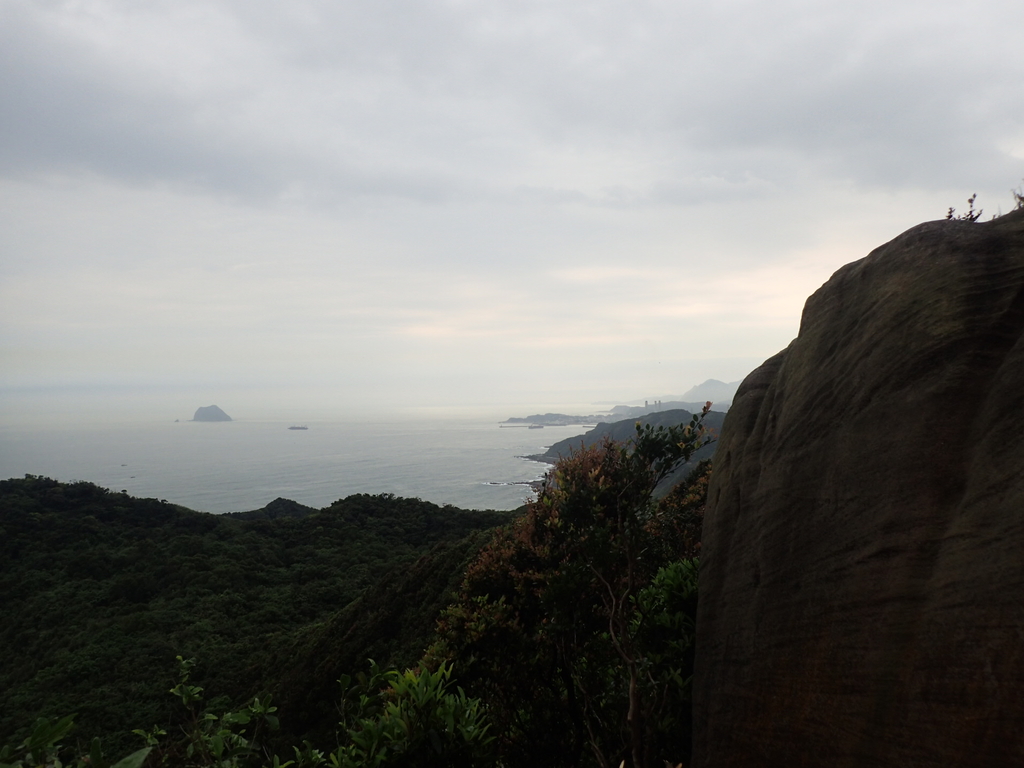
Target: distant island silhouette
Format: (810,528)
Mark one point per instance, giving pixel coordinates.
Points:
(210,413)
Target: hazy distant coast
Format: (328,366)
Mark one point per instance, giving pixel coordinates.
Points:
(623,429)
(554,420)
(719,393)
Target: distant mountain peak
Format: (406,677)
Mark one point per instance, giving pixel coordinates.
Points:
(718,392)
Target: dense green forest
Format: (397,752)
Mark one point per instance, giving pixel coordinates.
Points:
(561,635)
(101,591)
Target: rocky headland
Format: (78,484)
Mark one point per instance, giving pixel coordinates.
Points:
(625,429)
(622,430)
(861,576)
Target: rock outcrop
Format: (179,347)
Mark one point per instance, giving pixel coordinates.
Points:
(862,578)
(210,413)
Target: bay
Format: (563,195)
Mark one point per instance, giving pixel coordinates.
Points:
(241,465)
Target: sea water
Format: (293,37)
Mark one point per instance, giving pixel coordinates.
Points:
(241,465)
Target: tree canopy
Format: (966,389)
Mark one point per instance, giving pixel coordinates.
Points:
(575,623)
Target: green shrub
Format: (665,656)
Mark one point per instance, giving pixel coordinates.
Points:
(42,749)
(414,719)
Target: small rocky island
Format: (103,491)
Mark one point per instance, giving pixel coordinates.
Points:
(210,413)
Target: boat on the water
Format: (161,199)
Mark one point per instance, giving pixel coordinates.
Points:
(298,427)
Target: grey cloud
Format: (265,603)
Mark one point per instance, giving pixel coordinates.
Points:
(517,191)
(882,100)
(66,111)
(436,102)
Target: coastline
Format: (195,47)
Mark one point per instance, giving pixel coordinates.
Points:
(252,463)
(542,458)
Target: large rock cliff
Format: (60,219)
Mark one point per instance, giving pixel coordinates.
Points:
(862,580)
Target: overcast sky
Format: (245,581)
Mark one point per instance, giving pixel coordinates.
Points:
(360,203)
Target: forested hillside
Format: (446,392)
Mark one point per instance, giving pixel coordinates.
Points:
(101,591)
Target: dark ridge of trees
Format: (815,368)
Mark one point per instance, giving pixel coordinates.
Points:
(101,592)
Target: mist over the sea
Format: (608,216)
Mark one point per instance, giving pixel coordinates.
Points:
(447,456)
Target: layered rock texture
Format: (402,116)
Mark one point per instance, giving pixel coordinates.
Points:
(862,579)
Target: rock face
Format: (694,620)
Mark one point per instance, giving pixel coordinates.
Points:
(862,578)
(210,413)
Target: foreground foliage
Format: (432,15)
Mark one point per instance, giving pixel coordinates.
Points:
(388,719)
(592,593)
(42,748)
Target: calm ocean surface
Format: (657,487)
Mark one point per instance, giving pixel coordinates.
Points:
(241,465)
